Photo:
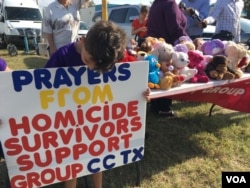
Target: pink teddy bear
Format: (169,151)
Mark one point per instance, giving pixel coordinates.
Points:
(198,61)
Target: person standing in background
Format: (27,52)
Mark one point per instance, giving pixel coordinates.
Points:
(226,14)
(139,25)
(165,20)
(61,23)
(201,8)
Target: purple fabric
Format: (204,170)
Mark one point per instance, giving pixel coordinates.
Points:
(3,65)
(166,20)
(66,56)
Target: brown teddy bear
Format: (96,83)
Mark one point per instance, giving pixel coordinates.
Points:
(146,46)
(218,69)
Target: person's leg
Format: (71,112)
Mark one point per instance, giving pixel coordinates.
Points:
(162,106)
(153,106)
(7,182)
(1,151)
(97,180)
(165,104)
(70,183)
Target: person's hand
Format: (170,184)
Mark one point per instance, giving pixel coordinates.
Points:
(143,29)
(189,11)
(182,6)
(203,24)
(146,94)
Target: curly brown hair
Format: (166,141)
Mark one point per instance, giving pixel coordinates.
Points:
(105,42)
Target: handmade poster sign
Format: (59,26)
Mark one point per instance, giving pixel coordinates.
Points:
(63,123)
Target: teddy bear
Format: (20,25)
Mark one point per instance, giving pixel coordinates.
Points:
(213,47)
(167,77)
(154,41)
(190,45)
(237,55)
(169,80)
(141,55)
(180,62)
(198,61)
(247,59)
(218,69)
(198,42)
(187,41)
(145,46)
(182,39)
(154,71)
(181,48)
(163,51)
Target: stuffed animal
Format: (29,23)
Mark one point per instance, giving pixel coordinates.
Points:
(247,59)
(180,62)
(237,55)
(153,41)
(186,40)
(169,80)
(163,51)
(181,48)
(132,45)
(128,57)
(146,46)
(190,45)
(167,76)
(141,55)
(197,61)
(154,71)
(213,47)
(218,69)
(198,42)
(182,40)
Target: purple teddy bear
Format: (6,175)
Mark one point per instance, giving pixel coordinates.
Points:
(213,47)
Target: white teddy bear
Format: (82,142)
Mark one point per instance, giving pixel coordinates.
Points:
(180,62)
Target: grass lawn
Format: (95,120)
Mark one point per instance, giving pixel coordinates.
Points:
(23,61)
(189,151)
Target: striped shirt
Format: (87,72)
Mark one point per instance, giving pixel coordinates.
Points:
(227,14)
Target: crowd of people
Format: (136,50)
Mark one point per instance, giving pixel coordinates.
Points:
(105,42)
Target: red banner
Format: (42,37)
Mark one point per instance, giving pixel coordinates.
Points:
(234,96)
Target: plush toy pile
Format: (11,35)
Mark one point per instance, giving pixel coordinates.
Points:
(195,61)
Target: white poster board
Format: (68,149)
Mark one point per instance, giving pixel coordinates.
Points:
(63,123)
